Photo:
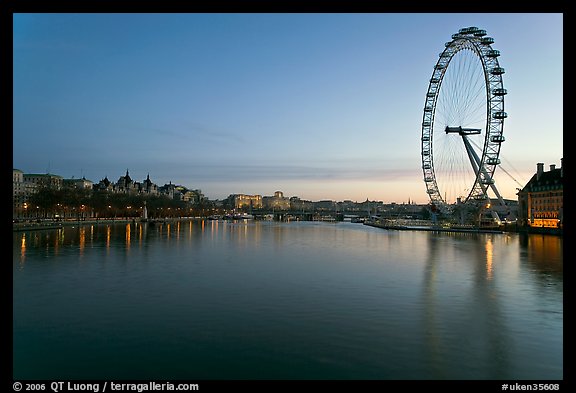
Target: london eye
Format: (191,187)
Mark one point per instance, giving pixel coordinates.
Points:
(463,121)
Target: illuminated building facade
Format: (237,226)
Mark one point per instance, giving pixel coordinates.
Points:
(276,202)
(246,201)
(541,201)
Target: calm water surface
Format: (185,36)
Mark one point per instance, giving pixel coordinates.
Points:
(268,300)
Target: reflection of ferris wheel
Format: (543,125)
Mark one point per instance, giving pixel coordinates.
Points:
(462,127)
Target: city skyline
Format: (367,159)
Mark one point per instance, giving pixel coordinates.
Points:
(320,106)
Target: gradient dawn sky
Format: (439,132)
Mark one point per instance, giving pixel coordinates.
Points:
(320,106)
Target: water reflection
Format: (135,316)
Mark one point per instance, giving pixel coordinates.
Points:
(82,239)
(544,254)
(344,300)
(489,256)
(472,319)
(128,237)
(23,249)
(433,339)
(450,326)
(108,235)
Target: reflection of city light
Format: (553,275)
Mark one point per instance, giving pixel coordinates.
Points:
(489,257)
(127,235)
(108,236)
(23,249)
(545,250)
(56,241)
(82,239)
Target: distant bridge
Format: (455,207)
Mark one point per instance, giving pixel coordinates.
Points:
(307,215)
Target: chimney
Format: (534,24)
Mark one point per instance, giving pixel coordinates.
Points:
(539,170)
(552,167)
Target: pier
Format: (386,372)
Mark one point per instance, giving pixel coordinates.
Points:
(432,228)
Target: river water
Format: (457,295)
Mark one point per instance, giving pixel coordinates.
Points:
(215,300)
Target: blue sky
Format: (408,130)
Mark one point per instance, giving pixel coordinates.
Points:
(322,106)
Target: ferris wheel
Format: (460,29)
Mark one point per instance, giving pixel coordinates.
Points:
(463,122)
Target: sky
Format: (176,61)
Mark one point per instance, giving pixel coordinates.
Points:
(316,105)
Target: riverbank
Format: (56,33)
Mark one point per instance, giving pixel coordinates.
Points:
(500,229)
(432,228)
(32,225)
